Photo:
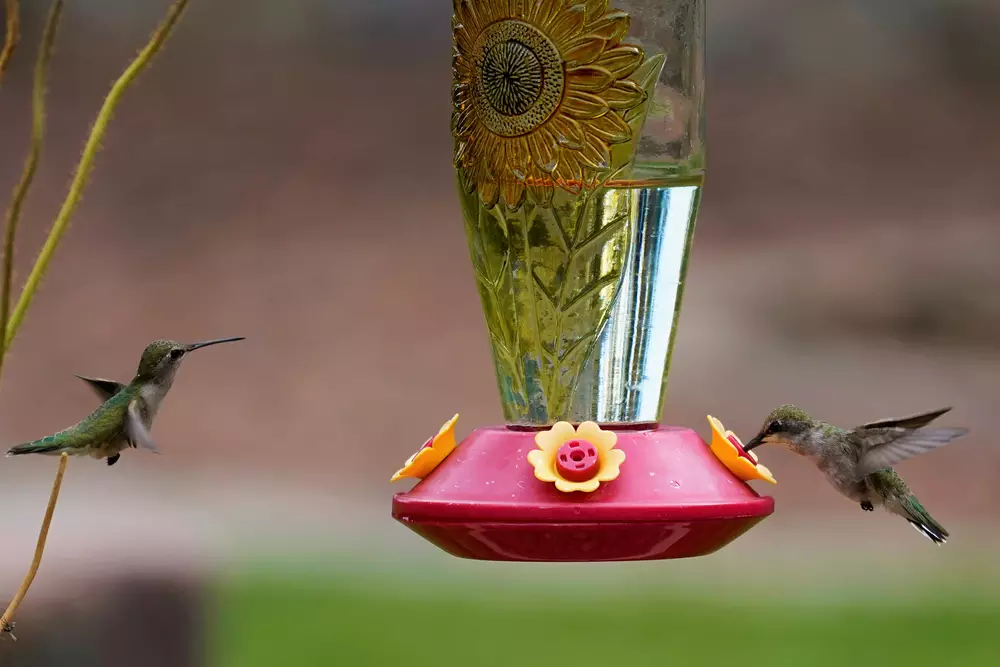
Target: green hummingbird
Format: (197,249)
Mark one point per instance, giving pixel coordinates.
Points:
(127,413)
(857,462)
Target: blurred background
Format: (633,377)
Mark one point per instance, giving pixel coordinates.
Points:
(283,173)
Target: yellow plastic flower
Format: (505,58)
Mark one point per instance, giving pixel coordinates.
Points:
(431,454)
(729,449)
(576,459)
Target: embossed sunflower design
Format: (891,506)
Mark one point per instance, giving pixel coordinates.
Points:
(540,89)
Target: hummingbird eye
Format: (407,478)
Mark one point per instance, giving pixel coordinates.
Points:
(176,353)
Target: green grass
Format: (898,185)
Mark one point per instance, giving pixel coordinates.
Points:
(338,620)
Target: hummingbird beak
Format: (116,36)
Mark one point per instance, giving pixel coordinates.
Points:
(757,441)
(195,346)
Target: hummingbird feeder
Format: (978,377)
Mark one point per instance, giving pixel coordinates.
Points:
(578,133)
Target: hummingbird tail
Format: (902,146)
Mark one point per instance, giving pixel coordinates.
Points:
(37,447)
(923,522)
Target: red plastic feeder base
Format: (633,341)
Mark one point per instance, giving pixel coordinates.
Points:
(673,499)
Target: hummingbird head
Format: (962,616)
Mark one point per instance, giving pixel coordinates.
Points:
(787,426)
(161,358)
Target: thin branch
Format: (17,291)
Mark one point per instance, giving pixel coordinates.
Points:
(12,34)
(7,620)
(30,165)
(86,163)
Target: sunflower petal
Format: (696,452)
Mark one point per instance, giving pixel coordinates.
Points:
(610,128)
(512,191)
(489,192)
(583,106)
(568,132)
(596,9)
(621,61)
(462,39)
(543,151)
(545,10)
(595,154)
(518,155)
(624,95)
(612,26)
(463,124)
(466,14)
(570,173)
(583,51)
(568,24)
(589,78)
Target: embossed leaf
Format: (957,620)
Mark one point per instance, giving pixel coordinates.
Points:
(584,106)
(584,50)
(621,61)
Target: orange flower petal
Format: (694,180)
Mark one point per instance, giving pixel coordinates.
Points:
(726,451)
(428,457)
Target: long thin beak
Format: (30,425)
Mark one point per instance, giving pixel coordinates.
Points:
(757,441)
(195,346)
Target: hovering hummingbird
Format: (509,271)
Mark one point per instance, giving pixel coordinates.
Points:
(127,413)
(858,462)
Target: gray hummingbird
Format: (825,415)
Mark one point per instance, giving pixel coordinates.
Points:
(857,462)
(126,415)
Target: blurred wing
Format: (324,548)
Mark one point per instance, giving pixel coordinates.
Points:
(136,430)
(892,450)
(914,422)
(105,389)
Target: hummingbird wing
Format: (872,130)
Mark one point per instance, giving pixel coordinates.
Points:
(914,422)
(885,447)
(136,431)
(105,389)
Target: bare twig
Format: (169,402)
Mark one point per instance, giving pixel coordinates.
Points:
(7,620)
(30,165)
(86,163)
(11,36)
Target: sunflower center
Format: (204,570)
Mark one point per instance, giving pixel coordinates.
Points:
(512,76)
(519,78)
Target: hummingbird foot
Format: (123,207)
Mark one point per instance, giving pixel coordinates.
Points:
(113,459)
(867,506)
(8,628)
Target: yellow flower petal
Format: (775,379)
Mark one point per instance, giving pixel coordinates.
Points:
(567,486)
(610,465)
(591,432)
(555,437)
(543,464)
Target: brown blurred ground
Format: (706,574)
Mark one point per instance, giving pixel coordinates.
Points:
(284,175)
